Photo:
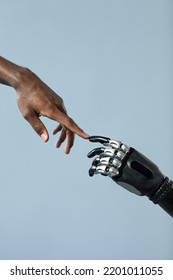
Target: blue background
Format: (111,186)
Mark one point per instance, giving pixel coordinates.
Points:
(111,62)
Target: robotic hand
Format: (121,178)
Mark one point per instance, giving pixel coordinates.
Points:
(131,170)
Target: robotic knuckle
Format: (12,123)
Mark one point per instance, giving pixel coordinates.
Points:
(102,169)
(108,151)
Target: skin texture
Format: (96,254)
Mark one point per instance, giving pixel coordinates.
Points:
(36,99)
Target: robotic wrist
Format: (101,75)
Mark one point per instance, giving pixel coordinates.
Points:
(139,175)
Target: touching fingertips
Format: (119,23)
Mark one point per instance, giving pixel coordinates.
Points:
(86,136)
(83,135)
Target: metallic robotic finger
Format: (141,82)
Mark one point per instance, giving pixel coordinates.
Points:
(131,170)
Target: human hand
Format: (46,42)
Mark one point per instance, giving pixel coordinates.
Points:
(36,99)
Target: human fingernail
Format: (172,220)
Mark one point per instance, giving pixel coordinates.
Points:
(44,137)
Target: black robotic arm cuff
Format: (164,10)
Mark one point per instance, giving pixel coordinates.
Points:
(164,189)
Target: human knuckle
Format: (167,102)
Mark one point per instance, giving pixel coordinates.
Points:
(27,114)
(50,109)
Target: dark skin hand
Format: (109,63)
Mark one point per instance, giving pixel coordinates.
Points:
(36,99)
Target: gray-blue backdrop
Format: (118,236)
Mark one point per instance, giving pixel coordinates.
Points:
(111,61)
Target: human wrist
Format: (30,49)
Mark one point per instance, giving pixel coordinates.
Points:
(22,77)
(11,74)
